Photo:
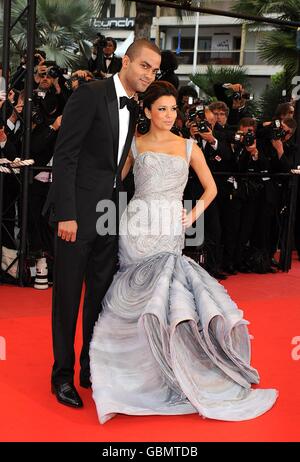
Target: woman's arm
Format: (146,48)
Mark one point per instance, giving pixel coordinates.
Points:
(127,166)
(199,165)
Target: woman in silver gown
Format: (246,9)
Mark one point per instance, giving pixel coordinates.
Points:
(169,339)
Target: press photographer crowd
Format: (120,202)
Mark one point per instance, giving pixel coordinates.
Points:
(242,226)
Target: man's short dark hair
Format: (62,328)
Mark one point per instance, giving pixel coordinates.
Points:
(219,106)
(134,49)
(248,122)
(113,41)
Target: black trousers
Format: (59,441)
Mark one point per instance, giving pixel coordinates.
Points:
(40,234)
(93,260)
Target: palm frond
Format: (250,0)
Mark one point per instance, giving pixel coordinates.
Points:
(61,26)
(279,47)
(214,75)
(273,94)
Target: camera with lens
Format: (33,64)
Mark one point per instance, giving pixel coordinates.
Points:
(143,123)
(276,130)
(56,71)
(196,115)
(100,42)
(237,95)
(244,139)
(76,78)
(38,115)
(249,138)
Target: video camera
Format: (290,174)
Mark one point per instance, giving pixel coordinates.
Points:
(196,115)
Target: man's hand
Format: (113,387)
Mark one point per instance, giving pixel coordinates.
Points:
(80,73)
(193,129)
(57,123)
(252,149)
(3,137)
(278,145)
(236,87)
(208,136)
(67,230)
(57,86)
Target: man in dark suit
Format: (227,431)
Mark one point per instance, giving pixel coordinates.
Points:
(91,150)
(103,62)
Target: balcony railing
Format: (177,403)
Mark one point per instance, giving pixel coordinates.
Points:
(206,57)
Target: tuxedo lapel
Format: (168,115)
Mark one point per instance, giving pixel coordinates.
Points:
(113,112)
(131,130)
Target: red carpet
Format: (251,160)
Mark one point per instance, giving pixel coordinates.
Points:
(30,413)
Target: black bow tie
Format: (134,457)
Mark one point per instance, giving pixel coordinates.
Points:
(109,58)
(129,102)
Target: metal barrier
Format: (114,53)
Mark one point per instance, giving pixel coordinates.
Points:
(286,241)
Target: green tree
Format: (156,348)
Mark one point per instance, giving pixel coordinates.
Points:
(213,75)
(279,45)
(62,28)
(272,95)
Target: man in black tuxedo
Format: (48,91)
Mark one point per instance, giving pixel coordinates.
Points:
(91,149)
(103,62)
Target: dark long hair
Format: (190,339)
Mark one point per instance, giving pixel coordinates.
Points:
(156,90)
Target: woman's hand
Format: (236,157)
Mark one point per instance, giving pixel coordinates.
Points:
(186,219)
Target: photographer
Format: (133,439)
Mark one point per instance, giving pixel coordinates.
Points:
(218,155)
(18,78)
(284,111)
(258,200)
(48,98)
(14,123)
(167,67)
(237,101)
(276,139)
(10,192)
(103,62)
(281,153)
(47,107)
(213,142)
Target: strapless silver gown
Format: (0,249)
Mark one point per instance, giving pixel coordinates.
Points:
(169,339)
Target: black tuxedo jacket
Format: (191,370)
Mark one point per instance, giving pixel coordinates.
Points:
(85,158)
(99,64)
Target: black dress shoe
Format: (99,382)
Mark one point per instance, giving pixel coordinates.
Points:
(272,270)
(275,263)
(67,394)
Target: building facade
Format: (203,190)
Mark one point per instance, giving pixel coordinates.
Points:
(222,41)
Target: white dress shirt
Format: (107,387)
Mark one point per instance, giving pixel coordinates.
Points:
(124,116)
(13,127)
